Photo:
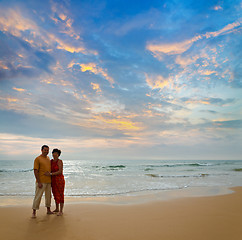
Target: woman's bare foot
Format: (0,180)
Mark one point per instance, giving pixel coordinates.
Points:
(56,210)
(60,214)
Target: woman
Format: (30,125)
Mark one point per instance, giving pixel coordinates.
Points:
(57,180)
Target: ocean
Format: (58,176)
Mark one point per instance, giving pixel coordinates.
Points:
(89,178)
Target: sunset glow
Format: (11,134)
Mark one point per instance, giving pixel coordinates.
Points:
(98,79)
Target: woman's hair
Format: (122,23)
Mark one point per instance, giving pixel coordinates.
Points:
(57,150)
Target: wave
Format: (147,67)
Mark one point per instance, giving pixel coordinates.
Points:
(237,169)
(15,170)
(98,194)
(111,167)
(177,176)
(16,194)
(148,169)
(123,192)
(180,165)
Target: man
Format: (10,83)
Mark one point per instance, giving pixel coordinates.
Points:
(43,183)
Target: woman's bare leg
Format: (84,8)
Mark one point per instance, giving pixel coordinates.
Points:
(56,207)
(61,209)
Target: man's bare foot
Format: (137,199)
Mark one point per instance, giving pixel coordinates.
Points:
(33,215)
(56,210)
(60,214)
(49,212)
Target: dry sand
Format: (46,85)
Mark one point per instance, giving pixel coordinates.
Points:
(190,218)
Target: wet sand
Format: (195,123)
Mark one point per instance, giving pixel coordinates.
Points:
(196,218)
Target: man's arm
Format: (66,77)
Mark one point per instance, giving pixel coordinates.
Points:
(36,174)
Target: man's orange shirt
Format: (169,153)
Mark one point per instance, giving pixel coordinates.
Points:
(43,165)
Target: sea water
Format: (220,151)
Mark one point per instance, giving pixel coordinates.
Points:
(89,178)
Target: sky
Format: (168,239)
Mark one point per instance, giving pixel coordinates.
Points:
(120,79)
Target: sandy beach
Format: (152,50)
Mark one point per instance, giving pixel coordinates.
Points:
(197,218)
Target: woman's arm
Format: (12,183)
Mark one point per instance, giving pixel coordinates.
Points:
(60,171)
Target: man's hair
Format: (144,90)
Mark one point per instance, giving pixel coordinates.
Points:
(57,150)
(44,146)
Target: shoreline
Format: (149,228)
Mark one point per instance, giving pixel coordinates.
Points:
(198,218)
(125,199)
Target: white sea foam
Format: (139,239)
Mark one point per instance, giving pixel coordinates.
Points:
(99,178)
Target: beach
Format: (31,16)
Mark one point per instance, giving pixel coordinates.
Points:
(186,217)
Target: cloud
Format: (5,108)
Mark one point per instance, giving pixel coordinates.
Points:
(96,87)
(119,123)
(233,27)
(19,89)
(93,68)
(158,82)
(56,81)
(69,47)
(180,47)
(186,60)
(13,22)
(208,101)
(14,145)
(207,72)
(233,124)
(171,48)
(73,109)
(60,15)
(103,105)
(3,65)
(17,71)
(217,8)
(57,66)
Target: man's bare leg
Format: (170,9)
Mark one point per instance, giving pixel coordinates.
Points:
(49,211)
(34,213)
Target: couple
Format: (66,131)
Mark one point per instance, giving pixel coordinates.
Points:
(49,174)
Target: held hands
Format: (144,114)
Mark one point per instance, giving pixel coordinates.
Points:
(40,185)
(47,174)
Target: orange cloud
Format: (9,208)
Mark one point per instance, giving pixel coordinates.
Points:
(94,68)
(216,8)
(226,30)
(3,66)
(19,89)
(11,100)
(13,22)
(60,82)
(185,61)
(69,47)
(116,123)
(201,101)
(171,48)
(180,47)
(62,16)
(55,19)
(17,144)
(63,20)
(96,87)
(207,72)
(156,82)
